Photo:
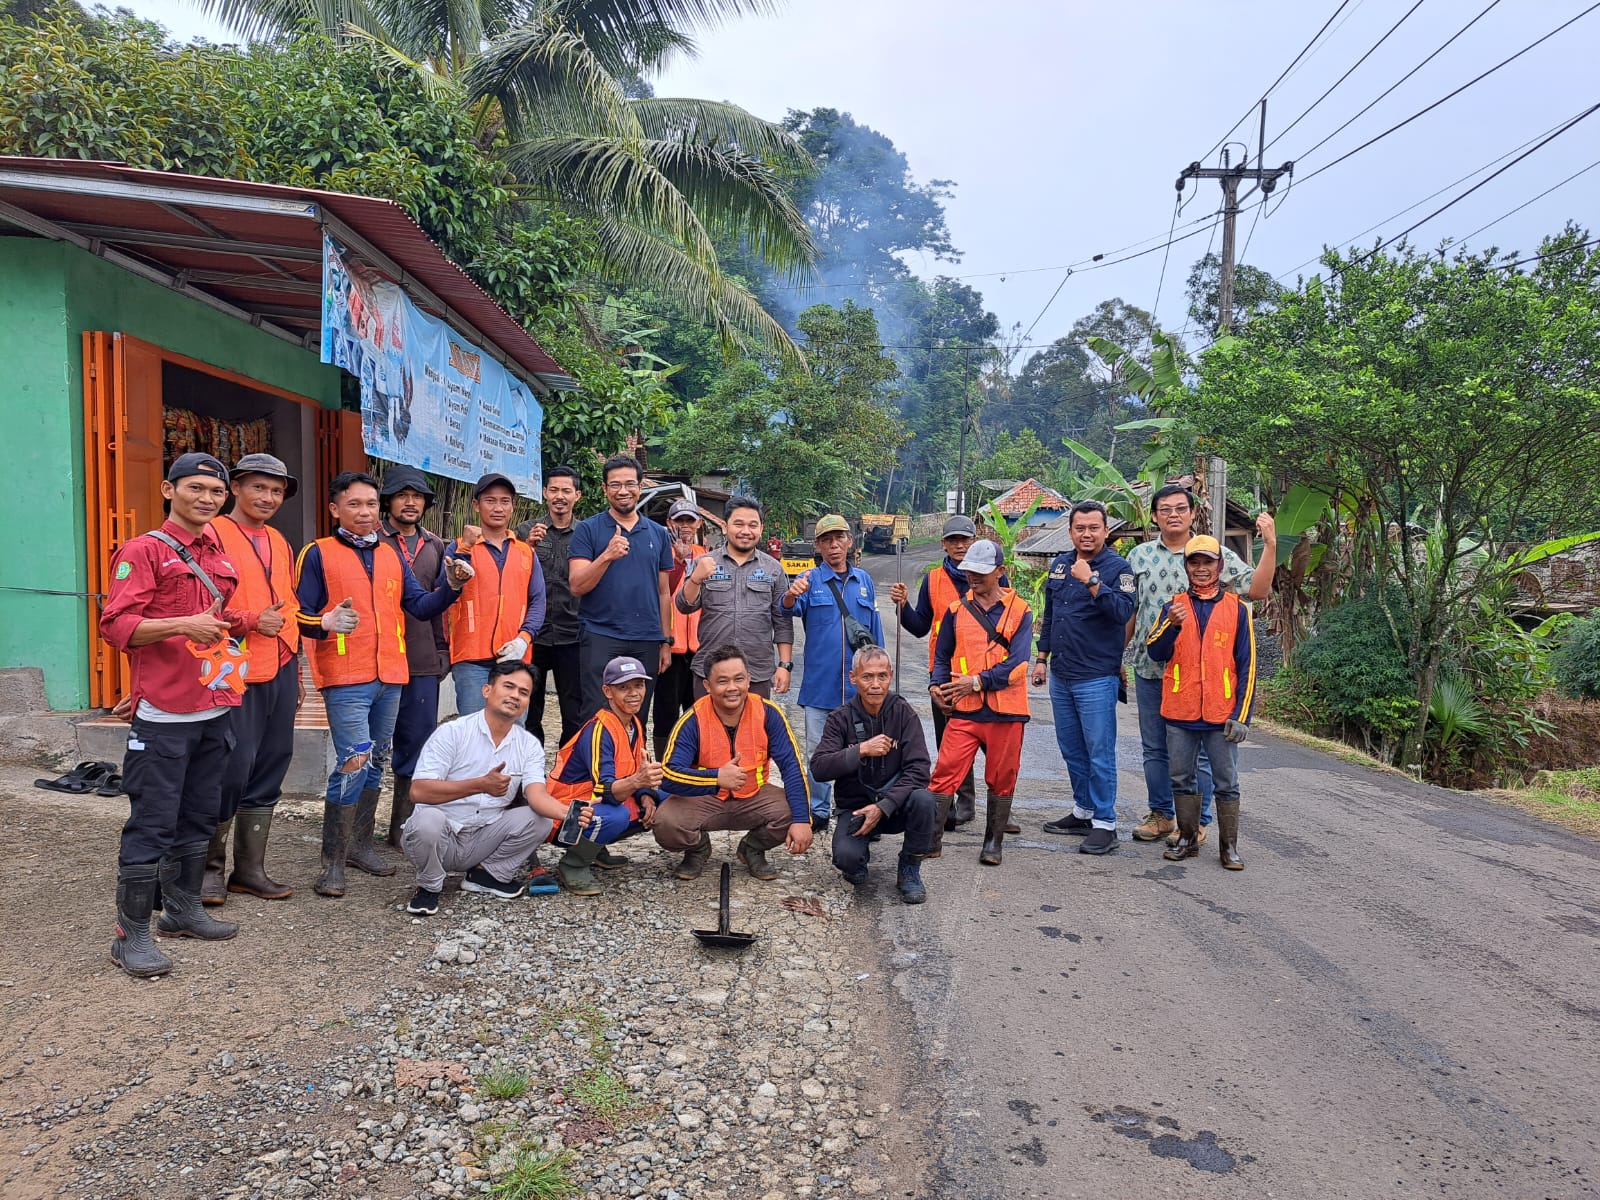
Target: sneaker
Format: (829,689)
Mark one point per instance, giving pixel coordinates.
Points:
(1154,827)
(1200,840)
(479,880)
(909,884)
(1099,841)
(1070,825)
(854,879)
(424,903)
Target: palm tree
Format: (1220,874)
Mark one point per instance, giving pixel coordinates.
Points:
(554,86)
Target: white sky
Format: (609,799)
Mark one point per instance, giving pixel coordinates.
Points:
(1065,125)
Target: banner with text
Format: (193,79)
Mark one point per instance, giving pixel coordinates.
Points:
(429,397)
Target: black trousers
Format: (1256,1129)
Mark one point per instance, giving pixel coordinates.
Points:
(173,776)
(595,650)
(914,818)
(674,694)
(968,790)
(263,736)
(562,663)
(414,722)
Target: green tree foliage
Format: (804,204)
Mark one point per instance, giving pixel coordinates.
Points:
(803,439)
(1018,457)
(1440,404)
(1361,676)
(1253,291)
(1576,662)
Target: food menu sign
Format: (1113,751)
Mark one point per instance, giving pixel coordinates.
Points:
(429,397)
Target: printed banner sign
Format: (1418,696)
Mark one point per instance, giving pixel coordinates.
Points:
(429,397)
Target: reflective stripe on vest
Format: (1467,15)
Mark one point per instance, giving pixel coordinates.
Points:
(976,652)
(628,757)
(377,648)
(492,605)
(686,626)
(750,744)
(1199,681)
(257,591)
(942,593)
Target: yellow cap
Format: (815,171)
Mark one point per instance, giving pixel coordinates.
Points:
(1202,544)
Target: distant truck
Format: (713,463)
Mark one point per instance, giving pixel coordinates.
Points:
(882,530)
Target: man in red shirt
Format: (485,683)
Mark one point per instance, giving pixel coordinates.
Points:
(167,607)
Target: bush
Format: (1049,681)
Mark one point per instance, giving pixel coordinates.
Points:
(1353,664)
(1576,663)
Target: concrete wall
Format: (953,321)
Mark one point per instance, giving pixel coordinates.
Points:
(50,293)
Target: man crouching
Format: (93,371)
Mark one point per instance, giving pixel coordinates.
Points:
(468,776)
(873,752)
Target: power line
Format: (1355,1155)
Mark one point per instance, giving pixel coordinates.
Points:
(1522,262)
(1371,50)
(1450,96)
(1161,281)
(1532,200)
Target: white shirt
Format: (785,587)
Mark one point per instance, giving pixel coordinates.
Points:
(465,749)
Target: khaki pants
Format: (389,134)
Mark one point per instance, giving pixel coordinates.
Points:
(500,847)
(680,820)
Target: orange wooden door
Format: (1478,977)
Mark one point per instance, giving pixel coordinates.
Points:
(339,449)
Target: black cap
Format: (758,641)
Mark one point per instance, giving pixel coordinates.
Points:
(398,478)
(186,465)
(489,480)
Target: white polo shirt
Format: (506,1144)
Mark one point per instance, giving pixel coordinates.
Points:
(465,749)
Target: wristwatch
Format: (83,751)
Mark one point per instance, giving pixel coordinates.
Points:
(977,684)
(788,666)
(1094,578)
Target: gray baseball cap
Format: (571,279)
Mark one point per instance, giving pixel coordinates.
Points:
(620,670)
(982,557)
(683,508)
(959,526)
(266,464)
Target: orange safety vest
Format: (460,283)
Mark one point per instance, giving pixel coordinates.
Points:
(750,749)
(258,590)
(628,757)
(1199,681)
(686,626)
(976,652)
(377,648)
(492,605)
(942,594)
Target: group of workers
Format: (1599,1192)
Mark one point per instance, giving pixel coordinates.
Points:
(214,610)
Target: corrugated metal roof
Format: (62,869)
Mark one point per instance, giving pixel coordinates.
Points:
(256,247)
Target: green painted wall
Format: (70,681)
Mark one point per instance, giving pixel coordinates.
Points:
(50,293)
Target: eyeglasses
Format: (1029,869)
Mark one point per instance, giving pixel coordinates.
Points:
(622,485)
(1169,511)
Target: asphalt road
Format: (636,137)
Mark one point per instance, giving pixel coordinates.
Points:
(1397,997)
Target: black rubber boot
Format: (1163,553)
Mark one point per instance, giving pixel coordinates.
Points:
(965,809)
(1228,834)
(400,807)
(994,830)
(251,829)
(337,820)
(1188,843)
(695,859)
(132,950)
(941,823)
(184,916)
(752,852)
(573,869)
(214,885)
(359,851)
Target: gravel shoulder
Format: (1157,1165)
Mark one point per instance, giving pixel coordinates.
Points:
(342,1048)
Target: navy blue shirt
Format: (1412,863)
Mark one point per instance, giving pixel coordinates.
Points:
(626,603)
(1084,634)
(996,678)
(916,619)
(311,589)
(1163,641)
(533,619)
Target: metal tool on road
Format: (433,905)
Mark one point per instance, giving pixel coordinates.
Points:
(899,550)
(722,938)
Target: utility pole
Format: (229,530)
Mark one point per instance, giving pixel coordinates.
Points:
(961,465)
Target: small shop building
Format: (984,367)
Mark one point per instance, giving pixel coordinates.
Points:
(146,314)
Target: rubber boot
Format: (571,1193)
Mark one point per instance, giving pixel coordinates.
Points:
(337,820)
(1188,843)
(574,869)
(251,829)
(694,859)
(184,916)
(360,852)
(994,830)
(965,810)
(400,807)
(1228,834)
(941,818)
(214,886)
(752,851)
(132,949)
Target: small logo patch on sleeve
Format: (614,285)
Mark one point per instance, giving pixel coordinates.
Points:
(124,569)
(1125,582)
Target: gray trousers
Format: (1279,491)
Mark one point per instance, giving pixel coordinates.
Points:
(500,847)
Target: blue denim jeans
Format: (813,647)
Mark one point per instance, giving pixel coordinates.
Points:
(1184,748)
(360,712)
(821,793)
(1086,731)
(469,678)
(1153,737)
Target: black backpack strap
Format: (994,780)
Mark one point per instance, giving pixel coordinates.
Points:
(989,626)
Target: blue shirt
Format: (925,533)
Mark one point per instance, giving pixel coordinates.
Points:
(594,759)
(826,682)
(1082,633)
(1163,641)
(916,619)
(682,777)
(626,603)
(311,589)
(533,619)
